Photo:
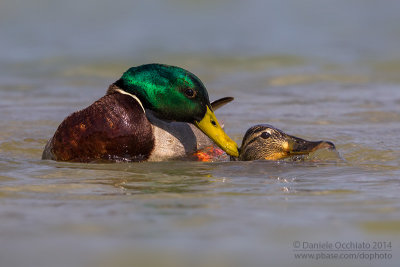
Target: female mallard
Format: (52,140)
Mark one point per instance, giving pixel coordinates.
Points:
(267,142)
(148,114)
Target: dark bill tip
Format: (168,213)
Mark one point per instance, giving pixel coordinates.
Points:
(301,146)
(324,144)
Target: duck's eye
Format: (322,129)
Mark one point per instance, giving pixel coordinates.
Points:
(265,135)
(190,93)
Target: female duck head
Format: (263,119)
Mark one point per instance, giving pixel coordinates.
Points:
(176,94)
(266,142)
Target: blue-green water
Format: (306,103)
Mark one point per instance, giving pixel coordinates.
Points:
(315,69)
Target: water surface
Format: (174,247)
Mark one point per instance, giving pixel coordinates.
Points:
(316,76)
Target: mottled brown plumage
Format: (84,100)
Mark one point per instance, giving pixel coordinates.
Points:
(114,128)
(269,143)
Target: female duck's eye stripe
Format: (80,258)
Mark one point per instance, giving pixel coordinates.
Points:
(252,140)
(254,131)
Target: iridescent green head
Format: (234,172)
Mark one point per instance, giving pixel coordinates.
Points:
(172,92)
(176,94)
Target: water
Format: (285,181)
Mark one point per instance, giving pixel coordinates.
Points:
(315,69)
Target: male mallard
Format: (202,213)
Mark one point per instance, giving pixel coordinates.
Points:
(267,142)
(150,113)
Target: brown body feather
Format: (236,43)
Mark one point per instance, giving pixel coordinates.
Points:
(114,128)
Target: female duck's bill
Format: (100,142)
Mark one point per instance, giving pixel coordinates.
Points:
(265,142)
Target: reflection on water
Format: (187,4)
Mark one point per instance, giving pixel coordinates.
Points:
(314,74)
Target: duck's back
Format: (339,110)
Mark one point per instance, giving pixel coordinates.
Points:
(115,127)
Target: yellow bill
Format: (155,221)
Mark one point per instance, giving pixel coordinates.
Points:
(210,126)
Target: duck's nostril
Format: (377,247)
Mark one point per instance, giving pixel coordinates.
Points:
(213,123)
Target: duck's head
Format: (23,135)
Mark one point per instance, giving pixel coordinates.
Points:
(266,142)
(173,93)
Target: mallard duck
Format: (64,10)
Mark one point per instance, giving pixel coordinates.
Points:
(153,112)
(265,142)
